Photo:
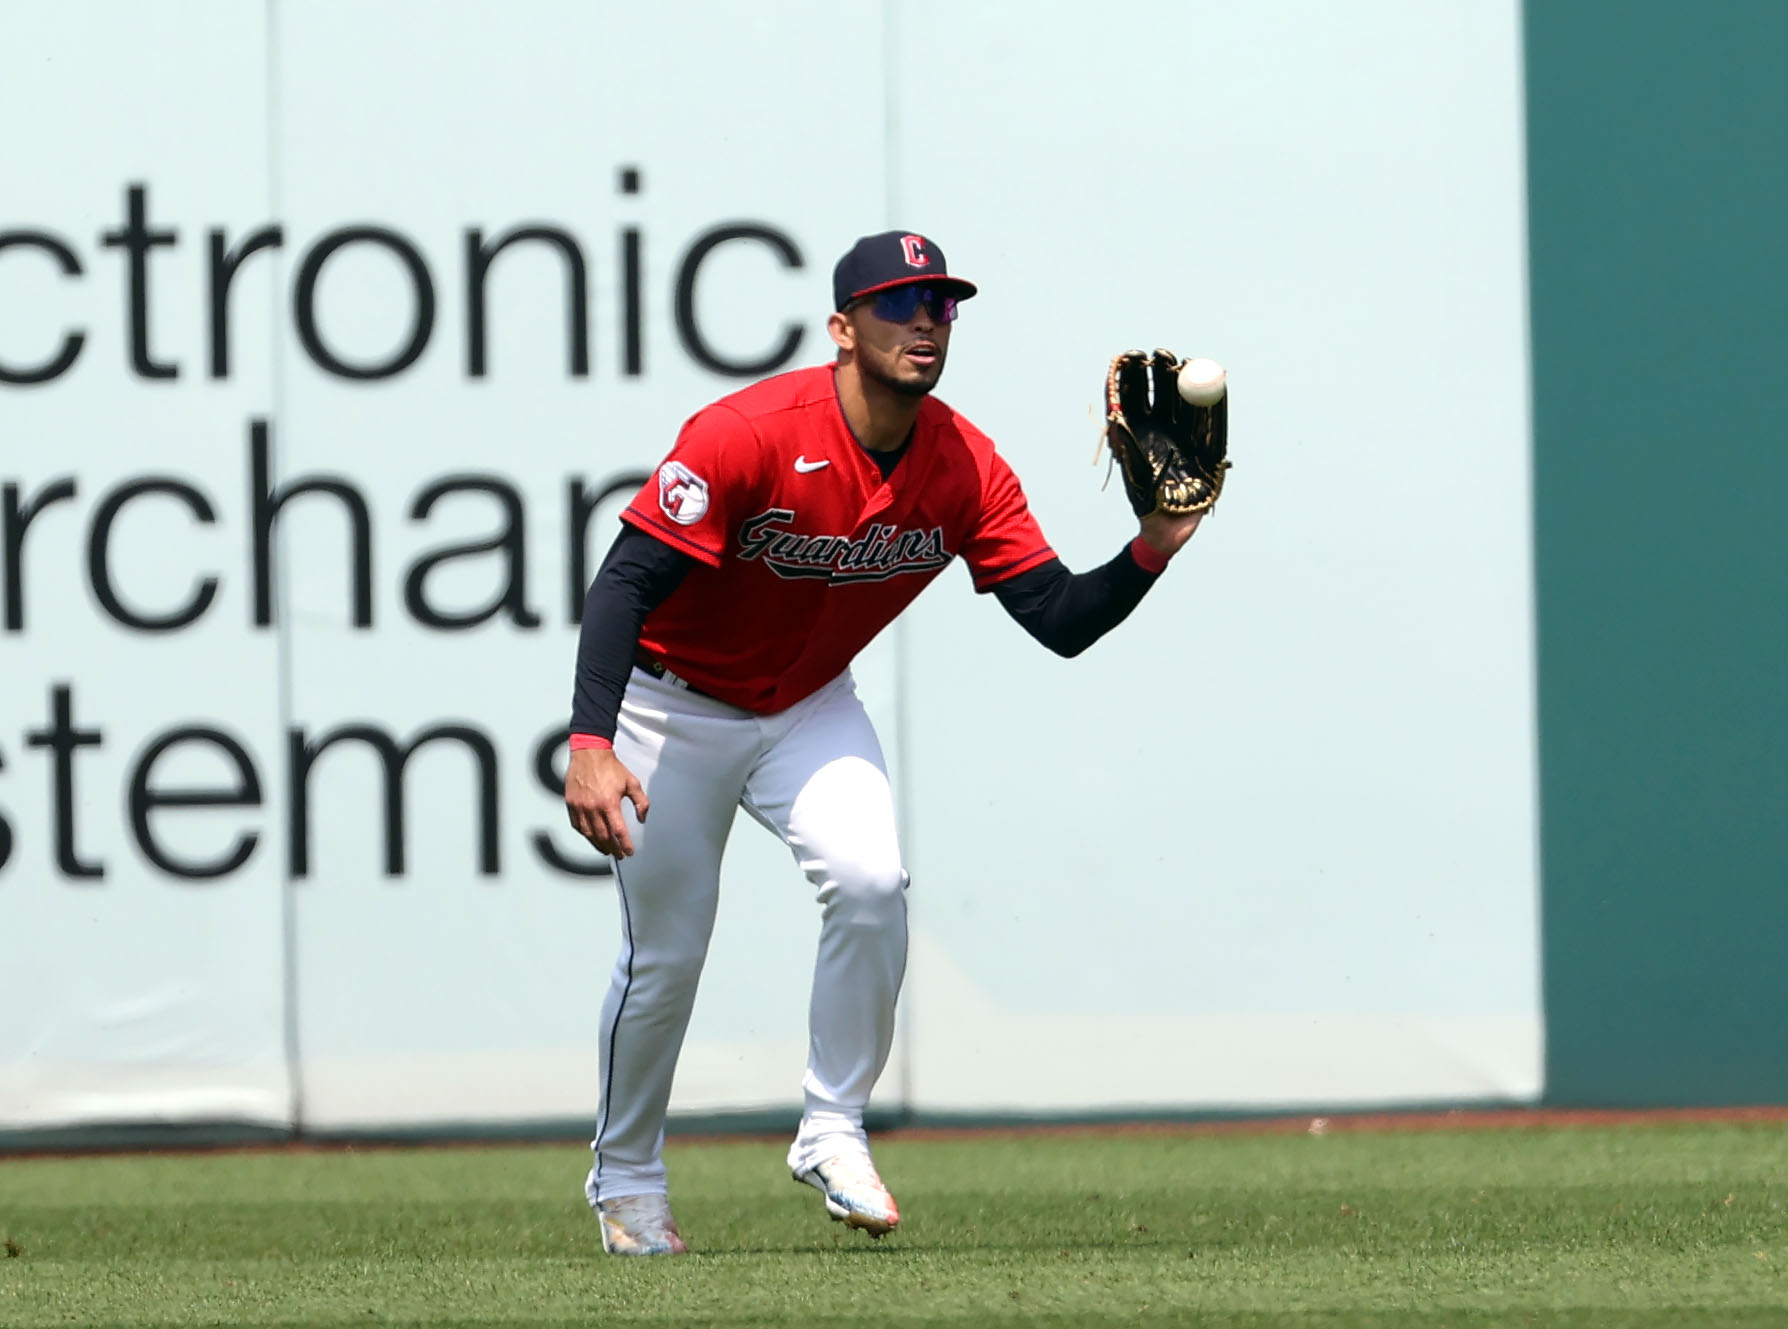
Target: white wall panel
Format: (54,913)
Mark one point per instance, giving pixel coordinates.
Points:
(1300,782)
(504,125)
(138,994)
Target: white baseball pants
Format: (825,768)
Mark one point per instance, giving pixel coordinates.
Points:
(815,776)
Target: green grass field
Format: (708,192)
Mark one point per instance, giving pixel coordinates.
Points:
(1644,1226)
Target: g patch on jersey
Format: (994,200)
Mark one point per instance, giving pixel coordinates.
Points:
(681,493)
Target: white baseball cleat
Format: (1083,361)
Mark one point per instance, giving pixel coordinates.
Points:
(855,1195)
(639,1225)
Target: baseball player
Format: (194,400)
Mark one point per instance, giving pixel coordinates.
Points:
(788,525)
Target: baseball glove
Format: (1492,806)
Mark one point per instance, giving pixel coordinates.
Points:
(1172,453)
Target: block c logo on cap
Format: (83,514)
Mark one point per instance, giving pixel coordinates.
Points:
(912,248)
(682,493)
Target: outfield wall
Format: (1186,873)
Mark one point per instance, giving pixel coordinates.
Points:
(352,327)
(1660,319)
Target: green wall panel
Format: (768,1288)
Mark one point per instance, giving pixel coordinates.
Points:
(1658,178)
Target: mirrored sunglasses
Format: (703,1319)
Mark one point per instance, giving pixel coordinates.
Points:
(899,304)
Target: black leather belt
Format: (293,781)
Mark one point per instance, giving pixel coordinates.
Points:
(658,669)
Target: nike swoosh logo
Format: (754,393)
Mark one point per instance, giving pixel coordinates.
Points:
(804,466)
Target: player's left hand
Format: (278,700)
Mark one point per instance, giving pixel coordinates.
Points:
(1171,450)
(1166,534)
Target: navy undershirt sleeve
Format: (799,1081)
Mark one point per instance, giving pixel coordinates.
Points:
(636,577)
(1069,611)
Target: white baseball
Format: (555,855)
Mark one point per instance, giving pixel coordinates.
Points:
(1202,382)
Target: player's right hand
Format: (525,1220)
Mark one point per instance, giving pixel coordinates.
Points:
(595,784)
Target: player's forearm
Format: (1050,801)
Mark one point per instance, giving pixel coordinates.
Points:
(637,576)
(605,650)
(1069,611)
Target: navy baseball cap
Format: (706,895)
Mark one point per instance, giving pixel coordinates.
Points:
(893,258)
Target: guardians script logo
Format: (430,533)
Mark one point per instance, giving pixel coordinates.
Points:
(881,552)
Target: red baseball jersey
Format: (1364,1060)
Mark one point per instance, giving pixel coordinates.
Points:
(804,552)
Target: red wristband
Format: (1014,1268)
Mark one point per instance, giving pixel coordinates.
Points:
(581,741)
(1147,557)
